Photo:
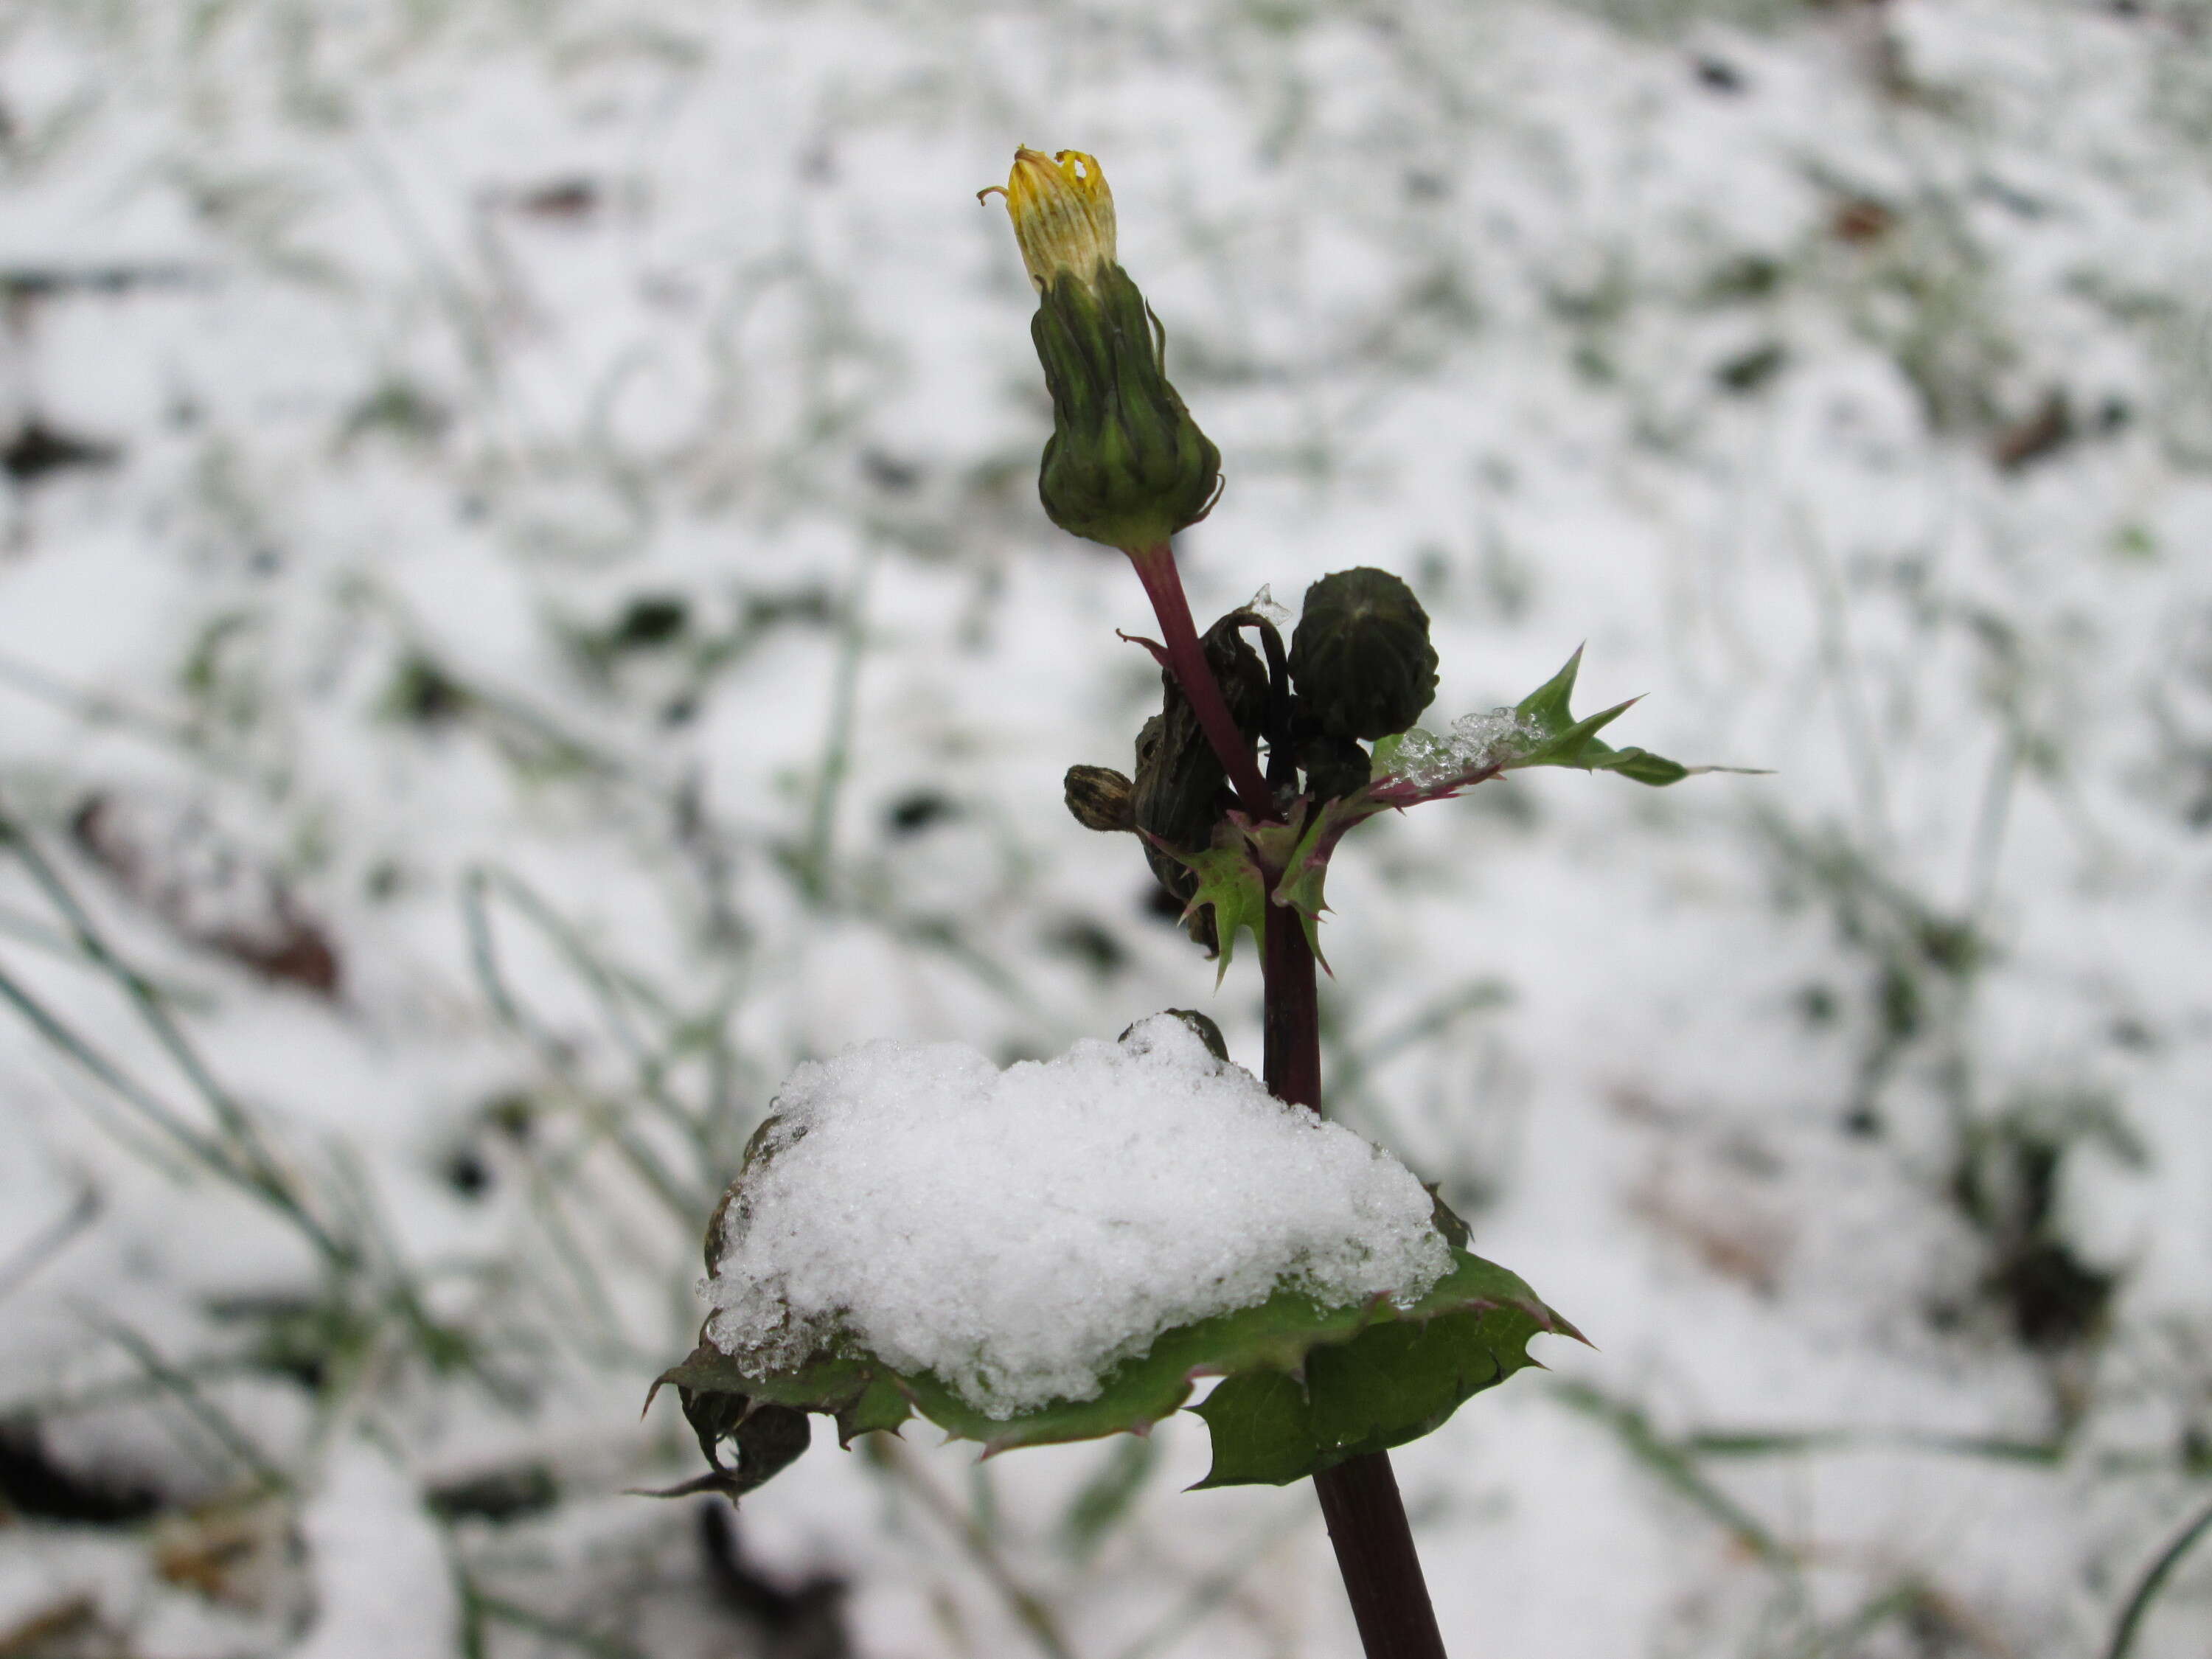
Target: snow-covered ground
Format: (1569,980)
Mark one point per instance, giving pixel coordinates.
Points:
(524,614)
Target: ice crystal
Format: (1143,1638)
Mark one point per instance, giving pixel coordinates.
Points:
(1475,743)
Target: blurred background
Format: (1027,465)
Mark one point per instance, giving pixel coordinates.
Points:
(524,612)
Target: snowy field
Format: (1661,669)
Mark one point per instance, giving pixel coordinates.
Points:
(524,614)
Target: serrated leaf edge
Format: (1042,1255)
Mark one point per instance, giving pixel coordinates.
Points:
(708,1368)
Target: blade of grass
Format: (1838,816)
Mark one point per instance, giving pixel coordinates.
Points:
(123,1391)
(1029,1608)
(596,1642)
(134,985)
(99,710)
(141,1099)
(2047,1453)
(609,987)
(1674,1467)
(30,930)
(2153,1581)
(49,1241)
(812,859)
(247,1160)
(181,1388)
(1215,1586)
(686,1202)
(545,1202)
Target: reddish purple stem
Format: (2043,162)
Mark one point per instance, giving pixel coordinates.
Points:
(1156,568)
(1360,1497)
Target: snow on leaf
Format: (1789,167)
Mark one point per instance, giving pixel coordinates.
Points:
(1060,1250)
(1375,1375)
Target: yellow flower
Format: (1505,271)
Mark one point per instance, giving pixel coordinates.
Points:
(1063,213)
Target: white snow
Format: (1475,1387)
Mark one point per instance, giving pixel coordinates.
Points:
(1019,1233)
(382,1584)
(1479,293)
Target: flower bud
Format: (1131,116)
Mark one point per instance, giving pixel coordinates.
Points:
(1360,660)
(1125,465)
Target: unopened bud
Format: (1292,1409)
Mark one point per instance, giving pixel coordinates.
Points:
(1361,660)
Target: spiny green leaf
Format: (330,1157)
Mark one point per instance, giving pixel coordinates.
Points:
(1230,880)
(1262,1426)
(881,1405)
(1399,1381)
(1573,743)
(1546,708)
(1305,867)
(1644,767)
(1481,1317)
(1566,741)
(1394,1382)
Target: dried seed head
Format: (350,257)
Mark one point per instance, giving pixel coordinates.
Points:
(1099,798)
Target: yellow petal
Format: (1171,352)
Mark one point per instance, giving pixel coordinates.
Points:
(1063,213)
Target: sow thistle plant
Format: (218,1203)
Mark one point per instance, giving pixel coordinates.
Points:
(1063,1250)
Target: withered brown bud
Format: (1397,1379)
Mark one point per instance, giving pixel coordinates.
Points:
(1099,798)
(1180,789)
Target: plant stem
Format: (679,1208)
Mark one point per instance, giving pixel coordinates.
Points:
(1156,568)
(1291,1013)
(1360,1497)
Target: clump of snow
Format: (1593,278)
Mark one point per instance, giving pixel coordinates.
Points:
(1019,1232)
(1262,604)
(1475,743)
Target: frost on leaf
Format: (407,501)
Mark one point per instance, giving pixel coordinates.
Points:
(1059,1249)
(1476,745)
